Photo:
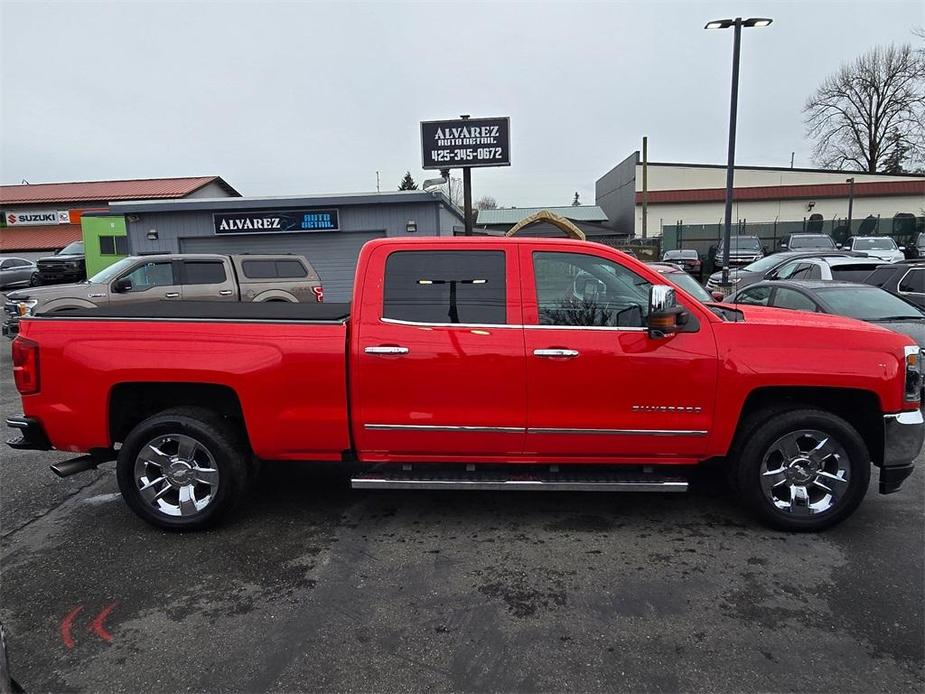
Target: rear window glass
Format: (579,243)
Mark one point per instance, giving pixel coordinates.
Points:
(851,273)
(880,276)
(273,269)
(446,287)
(196,272)
(811,242)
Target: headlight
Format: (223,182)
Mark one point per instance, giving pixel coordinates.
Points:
(24,308)
(913,374)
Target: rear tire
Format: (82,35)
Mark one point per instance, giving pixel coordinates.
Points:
(183,469)
(802,470)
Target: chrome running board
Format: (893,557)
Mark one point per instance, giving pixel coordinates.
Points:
(514,481)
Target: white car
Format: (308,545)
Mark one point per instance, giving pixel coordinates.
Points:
(882,247)
(844,268)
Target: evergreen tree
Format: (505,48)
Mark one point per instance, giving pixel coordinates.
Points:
(407,183)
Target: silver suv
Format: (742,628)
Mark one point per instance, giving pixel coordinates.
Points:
(197,277)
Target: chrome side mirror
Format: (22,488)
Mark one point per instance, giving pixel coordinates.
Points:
(664,312)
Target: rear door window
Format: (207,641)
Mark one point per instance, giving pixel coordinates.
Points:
(203,272)
(446,287)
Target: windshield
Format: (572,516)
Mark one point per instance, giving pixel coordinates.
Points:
(882,244)
(688,284)
(743,243)
(113,271)
(76,248)
(811,242)
(764,264)
(868,303)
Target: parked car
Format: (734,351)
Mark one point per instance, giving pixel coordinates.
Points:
(918,250)
(476,354)
(861,301)
(905,279)
(687,258)
(15,271)
(680,278)
(881,247)
(742,250)
(172,278)
(829,267)
(67,265)
(807,242)
(759,270)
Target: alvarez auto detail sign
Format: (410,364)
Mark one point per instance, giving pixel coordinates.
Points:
(455,144)
(275,221)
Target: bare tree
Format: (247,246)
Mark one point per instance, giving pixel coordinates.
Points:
(870,114)
(486,202)
(455,191)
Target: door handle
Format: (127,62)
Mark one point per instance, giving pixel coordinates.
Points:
(390,349)
(225,292)
(171,295)
(560,353)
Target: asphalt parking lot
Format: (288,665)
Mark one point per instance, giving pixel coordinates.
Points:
(314,587)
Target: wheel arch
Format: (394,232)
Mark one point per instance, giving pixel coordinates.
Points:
(860,408)
(132,402)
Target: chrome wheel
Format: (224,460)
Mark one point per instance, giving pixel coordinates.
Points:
(805,472)
(176,475)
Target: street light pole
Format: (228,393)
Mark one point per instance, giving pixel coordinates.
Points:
(731,153)
(736,24)
(850,182)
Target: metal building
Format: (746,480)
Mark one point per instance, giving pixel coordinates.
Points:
(329,230)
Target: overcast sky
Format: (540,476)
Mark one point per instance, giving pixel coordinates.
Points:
(304,97)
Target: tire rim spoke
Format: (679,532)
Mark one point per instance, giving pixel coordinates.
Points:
(804,472)
(176,475)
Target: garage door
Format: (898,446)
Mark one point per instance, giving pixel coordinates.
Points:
(333,255)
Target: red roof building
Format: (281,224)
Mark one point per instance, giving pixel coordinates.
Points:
(46,216)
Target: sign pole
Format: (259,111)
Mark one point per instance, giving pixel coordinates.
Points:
(467,193)
(467,199)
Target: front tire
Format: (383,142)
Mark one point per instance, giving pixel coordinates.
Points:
(802,470)
(183,469)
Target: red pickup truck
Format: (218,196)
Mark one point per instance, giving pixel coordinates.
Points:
(480,363)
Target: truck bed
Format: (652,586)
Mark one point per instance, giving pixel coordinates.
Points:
(215,310)
(285,363)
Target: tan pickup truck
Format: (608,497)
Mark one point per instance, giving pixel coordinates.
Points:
(173,277)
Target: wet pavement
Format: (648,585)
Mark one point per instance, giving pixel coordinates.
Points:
(314,587)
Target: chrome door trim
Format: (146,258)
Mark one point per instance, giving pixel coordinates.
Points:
(443,427)
(617,432)
(396,321)
(534,430)
(386,349)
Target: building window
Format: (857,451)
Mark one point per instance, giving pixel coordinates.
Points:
(113,245)
(446,287)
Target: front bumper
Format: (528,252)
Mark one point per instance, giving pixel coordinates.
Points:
(903,436)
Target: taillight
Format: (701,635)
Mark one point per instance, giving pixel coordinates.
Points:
(26,365)
(319,293)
